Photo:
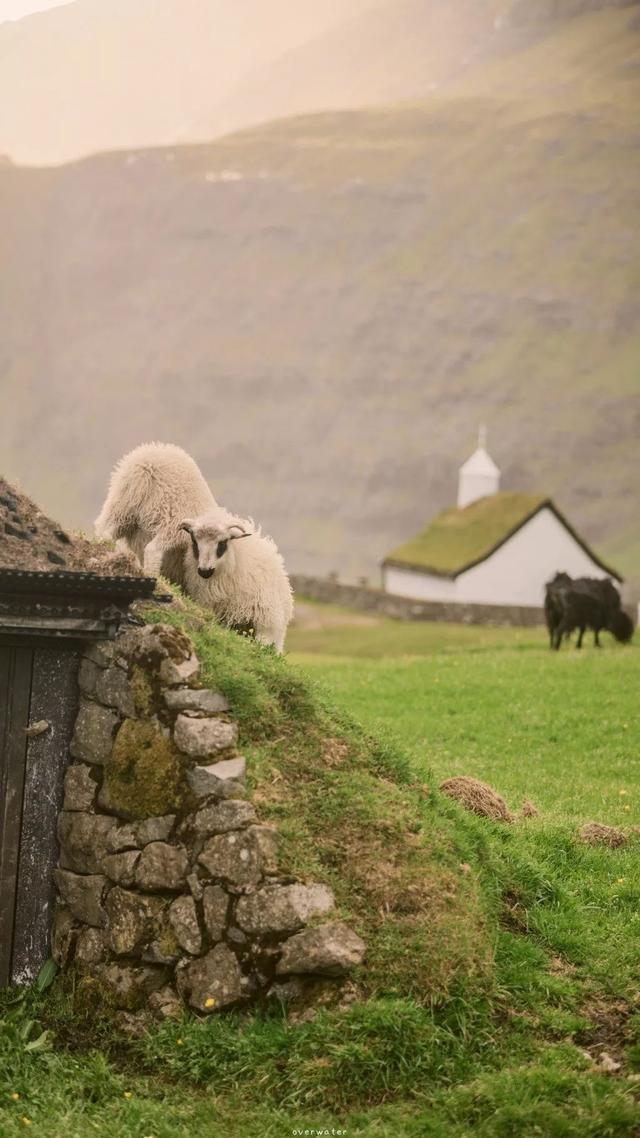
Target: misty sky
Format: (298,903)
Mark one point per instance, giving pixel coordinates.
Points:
(14,9)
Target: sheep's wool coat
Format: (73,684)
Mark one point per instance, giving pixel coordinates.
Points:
(152,489)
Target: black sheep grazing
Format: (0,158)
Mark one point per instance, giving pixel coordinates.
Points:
(587,602)
(553,608)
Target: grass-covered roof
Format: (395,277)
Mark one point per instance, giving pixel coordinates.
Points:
(459,538)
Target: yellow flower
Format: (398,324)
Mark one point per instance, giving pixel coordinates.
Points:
(15,1096)
(621,792)
(26,1121)
(127,1094)
(620,880)
(627,808)
(179,1042)
(210,1003)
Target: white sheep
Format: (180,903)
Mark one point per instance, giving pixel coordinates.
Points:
(160,507)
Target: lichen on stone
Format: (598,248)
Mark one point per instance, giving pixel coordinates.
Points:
(145,775)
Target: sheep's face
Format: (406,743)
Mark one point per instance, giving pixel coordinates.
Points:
(212,545)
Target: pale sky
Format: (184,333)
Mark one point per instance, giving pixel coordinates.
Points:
(14,9)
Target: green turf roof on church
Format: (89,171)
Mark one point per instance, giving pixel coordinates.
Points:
(459,538)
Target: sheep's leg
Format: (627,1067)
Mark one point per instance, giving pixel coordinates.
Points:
(152,558)
(596,638)
(580,635)
(271,637)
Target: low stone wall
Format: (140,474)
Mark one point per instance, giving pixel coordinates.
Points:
(403,608)
(168,883)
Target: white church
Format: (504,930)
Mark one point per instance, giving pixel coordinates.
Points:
(494,548)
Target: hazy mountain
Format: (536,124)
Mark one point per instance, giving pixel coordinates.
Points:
(99,75)
(322,310)
(103,74)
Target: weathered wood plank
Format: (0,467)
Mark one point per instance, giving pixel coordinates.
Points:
(15,692)
(54,699)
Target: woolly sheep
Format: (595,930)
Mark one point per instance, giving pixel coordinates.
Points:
(160,507)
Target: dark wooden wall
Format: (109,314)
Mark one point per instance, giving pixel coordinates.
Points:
(37,683)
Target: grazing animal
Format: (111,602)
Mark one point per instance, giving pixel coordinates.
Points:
(244,582)
(553,607)
(587,602)
(160,507)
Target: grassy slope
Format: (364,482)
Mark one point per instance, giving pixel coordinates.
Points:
(427,1048)
(391,277)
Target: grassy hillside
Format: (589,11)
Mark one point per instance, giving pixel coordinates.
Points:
(502,959)
(322,310)
(114,74)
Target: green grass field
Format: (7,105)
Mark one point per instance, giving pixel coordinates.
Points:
(487,1017)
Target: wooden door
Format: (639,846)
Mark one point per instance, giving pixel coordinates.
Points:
(38,684)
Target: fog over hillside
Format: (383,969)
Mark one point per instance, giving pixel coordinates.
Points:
(322,310)
(109,74)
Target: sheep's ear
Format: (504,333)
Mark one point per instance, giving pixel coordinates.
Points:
(186,526)
(239,533)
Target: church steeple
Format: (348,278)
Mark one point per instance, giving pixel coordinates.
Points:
(479,476)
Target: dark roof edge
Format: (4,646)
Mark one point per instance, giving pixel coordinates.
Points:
(75,584)
(547,503)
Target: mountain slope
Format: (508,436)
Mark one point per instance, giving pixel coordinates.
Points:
(110,74)
(323,310)
(105,74)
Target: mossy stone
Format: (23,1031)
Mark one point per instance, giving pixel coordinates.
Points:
(145,775)
(141,690)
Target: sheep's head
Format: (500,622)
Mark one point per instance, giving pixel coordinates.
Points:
(211,542)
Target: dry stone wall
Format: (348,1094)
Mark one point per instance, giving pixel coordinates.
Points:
(169,892)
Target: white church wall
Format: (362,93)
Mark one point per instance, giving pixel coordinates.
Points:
(417,585)
(516,573)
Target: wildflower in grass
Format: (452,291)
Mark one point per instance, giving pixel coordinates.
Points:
(620,881)
(179,1042)
(210,1002)
(15,1096)
(26,1121)
(621,792)
(127,1094)
(626,808)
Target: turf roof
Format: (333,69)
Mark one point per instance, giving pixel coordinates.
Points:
(459,538)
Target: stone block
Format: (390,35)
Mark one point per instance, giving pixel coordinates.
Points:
(241,857)
(202,701)
(155,829)
(184,922)
(277,909)
(121,867)
(327,950)
(123,837)
(212,981)
(218,818)
(91,947)
(88,676)
(84,840)
(101,653)
(133,920)
(83,896)
(162,866)
(93,734)
(113,689)
(201,738)
(80,788)
(165,1004)
(218,780)
(215,908)
(185,672)
(129,986)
